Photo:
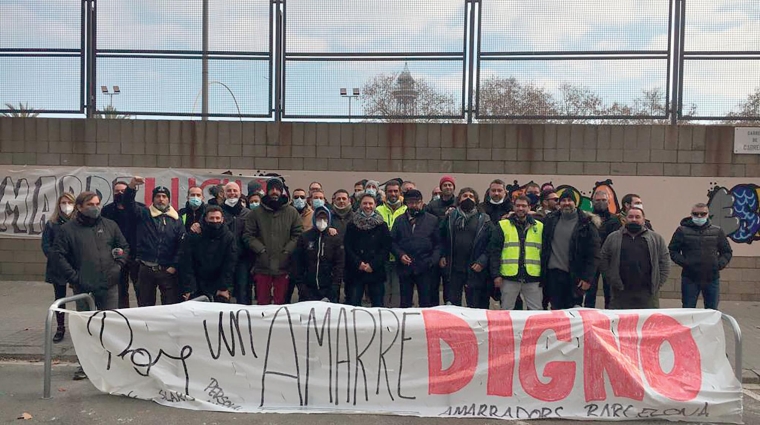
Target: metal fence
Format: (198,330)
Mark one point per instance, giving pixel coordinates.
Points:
(443,60)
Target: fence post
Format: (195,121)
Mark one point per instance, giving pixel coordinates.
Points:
(737,344)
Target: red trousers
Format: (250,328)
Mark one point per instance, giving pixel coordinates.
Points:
(267,285)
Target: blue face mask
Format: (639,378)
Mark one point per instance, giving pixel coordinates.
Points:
(316,203)
(372,192)
(253,205)
(699,221)
(299,203)
(195,202)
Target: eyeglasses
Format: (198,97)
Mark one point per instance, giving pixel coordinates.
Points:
(699,214)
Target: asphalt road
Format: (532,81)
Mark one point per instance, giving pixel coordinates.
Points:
(78,402)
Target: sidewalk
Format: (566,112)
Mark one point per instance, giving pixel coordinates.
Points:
(23,306)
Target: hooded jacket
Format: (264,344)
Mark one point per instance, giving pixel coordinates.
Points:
(82,253)
(367,240)
(159,234)
(52,230)
(701,251)
(271,232)
(207,261)
(584,245)
(318,262)
(421,241)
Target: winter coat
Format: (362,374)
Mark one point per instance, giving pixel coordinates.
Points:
(340,222)
(584,245)
(701,251)
(610,223)
(234,218)
(658,253)
(318,262)
(306,217)
(496,212)
(126,221)
(367,240)
(479,252)
(49,234)
(439,207)
(421,242)
(82,253)
(207,262)
(272,234)
(497,246)
(159,234)
(190,216)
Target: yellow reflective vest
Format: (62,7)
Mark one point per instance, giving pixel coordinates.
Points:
(511,252)
(389,217)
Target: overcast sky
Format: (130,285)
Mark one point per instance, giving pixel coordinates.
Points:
(364,26)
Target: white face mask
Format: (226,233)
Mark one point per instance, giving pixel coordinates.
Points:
(499,202)
(67,208)
(231,201)
(321,225)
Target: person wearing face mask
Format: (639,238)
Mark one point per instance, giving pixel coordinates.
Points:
(465,235)
(569,253)
(61,215)
(533,193)
(195,210)
(206,259)
(234,218)
(372,187)
(439,208)
(416,244)
(319,261)
(159,233)
(88,253)
(628,201)
(301,204)
(367,244)
(271,233)
(635,264)
(610,223)
(127,223)
(702,250)
(392,209)
(497,204)
(254,200)
(515,253)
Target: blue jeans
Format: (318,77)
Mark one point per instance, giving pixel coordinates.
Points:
(690,293)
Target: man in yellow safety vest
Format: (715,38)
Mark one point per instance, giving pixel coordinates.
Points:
(515,251)
(392,209)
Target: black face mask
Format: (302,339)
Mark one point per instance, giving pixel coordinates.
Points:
(415,212)
(118,197)
(211,229)
(467,205)
(634,228)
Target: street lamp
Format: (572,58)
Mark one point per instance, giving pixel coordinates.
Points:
(116,91)
(344,93)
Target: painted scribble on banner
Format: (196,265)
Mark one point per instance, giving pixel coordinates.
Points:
(582,198)
(736,211)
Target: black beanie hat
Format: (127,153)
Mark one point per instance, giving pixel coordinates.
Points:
(162,189)
(413,194)
(275,183)
(567,193)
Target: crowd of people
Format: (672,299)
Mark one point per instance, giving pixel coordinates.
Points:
(379,245)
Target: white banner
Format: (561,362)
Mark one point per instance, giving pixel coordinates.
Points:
(28,195)
(442,362)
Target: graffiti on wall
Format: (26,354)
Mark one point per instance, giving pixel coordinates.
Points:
(736,211)
(582,198)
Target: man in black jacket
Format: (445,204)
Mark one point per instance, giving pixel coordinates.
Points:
(497,203)
(159,233)
(207,259)
(440,207)
(610,223)
(195,210)
(569,253)
(465,234)
(115,211)
(702,250)
(89,253)
(235,214)
(416,236)
(319,260)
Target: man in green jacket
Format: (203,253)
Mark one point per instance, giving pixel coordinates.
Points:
(271,232)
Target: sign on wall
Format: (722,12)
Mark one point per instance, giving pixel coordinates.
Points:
(442,362)
(747,140)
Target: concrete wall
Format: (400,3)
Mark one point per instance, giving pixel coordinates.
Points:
(682,151)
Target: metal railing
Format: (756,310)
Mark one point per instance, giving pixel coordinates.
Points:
(49,332)
(738,369)
(473,60)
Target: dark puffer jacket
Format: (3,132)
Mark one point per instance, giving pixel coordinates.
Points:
(496,212)
(421,242)
(207,261)
(82,253)
(52,274)
(610,223)
(702,251)
(234,218)
(479,252)
(318,262)
(191,216)
(158,236)
(585,248)
(439,207)
(367,240)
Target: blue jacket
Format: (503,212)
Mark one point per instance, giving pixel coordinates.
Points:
(421,242)
(158,235)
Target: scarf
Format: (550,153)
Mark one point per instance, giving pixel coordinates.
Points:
(462,217)
(363,222)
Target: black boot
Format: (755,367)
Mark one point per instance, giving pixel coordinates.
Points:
(79,374)
(61,331)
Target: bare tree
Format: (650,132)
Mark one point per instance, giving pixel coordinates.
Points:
(378,99)
(750,108)
(502,97)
